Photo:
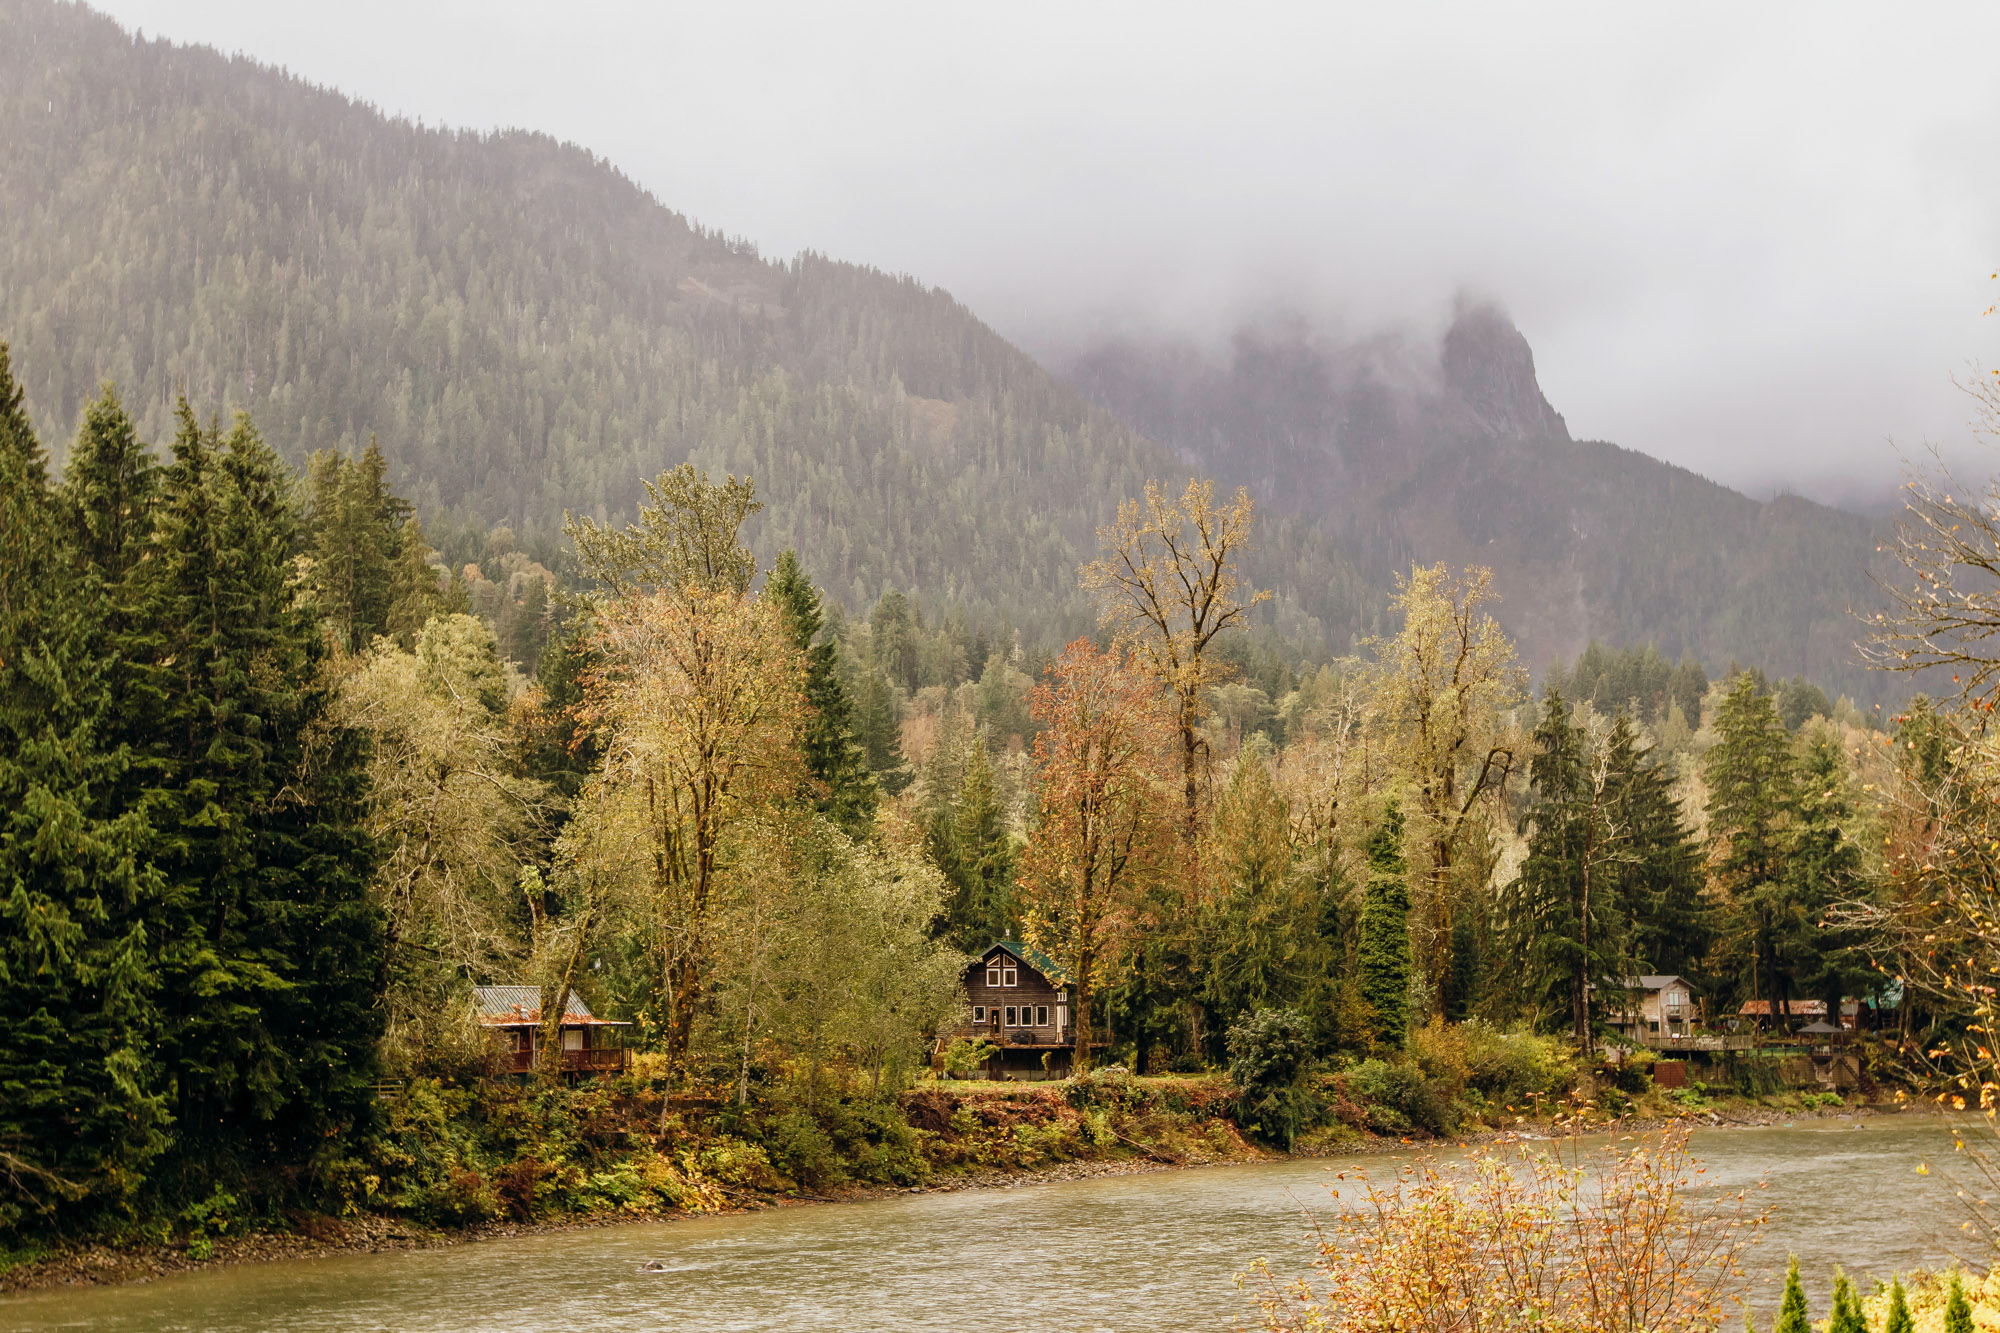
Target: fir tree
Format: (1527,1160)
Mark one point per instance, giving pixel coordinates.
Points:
(356,536)
(1563,917)
(82,1110)
(414,592)
(1384,961)
(1846,1316)
(1659,880)
(981,861)
(1468,973)
(1792,1316)
(269,952)
(1823,870)
(878,728)
(1752,789)
(834,759)
(1898,1319)
(1957,1311)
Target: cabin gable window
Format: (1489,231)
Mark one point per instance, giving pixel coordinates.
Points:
(993,974)
(1012,978)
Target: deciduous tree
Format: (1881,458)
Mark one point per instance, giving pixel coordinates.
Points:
(1167,583)
(1104,831)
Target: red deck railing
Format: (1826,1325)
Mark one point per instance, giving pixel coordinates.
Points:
(600,1060)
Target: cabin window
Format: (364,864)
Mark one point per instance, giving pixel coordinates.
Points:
(572,1039)
(1062,1015)
(993,975)
(1013,978)
(1041,1015)
(1011,1012)
(979,1013)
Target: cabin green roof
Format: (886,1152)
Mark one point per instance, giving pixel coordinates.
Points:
(1033,957)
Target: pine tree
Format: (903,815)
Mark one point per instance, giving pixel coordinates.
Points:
(1563,917)
(1824,870)
(878,728)
(1792,1316)
(835,760)
(1260,946)
(1957,1311)
(356,537)
(414,593)
(1468,973)
(270,954)
(1898,1319)
(982,856)
(1752,788)
(82,1110)
(1384,961)
(1659,881)
(1846,1316)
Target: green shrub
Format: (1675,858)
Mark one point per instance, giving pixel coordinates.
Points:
(1270,1054)
(966,1054)
(1397,1098)
(1516,1068)
(1112,1087)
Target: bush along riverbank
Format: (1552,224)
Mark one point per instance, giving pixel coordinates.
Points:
(454,1159)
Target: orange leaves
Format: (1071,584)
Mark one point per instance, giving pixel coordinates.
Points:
(1105,829)
(1526,1241)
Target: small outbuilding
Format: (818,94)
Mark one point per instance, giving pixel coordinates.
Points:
(513,1015)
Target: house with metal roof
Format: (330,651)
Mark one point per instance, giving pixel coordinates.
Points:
(1019,1001)
(513,1015)
(1659,1011)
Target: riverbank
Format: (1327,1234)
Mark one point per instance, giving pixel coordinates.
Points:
(985,1116)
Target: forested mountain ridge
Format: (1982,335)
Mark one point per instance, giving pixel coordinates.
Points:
(1454,454)
(527,331)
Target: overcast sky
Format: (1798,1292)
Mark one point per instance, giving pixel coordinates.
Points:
(1756,240)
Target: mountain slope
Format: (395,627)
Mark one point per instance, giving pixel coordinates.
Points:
(1454,454)
(528,332)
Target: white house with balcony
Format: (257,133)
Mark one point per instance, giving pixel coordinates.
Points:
(1659,1012)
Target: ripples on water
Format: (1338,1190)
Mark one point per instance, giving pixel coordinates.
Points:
(1147,1252)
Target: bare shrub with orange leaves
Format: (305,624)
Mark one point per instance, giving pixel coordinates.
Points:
(1622,1239)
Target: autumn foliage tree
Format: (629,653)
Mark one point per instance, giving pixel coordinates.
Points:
(1621,1239)
(1440,686)
(1105,830)
(702,700)
(1167,585)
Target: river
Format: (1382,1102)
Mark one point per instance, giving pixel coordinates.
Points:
(1145,1252)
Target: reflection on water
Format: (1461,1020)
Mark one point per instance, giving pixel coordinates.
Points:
(1125,1253)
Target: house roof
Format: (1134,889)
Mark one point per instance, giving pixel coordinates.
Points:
(1793,1008)
(1820,1026)
(1656,981)
(519,1006)
(1033,957)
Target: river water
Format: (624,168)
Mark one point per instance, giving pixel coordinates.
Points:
(1146,1252)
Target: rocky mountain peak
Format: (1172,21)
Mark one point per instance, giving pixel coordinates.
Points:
(1489,367)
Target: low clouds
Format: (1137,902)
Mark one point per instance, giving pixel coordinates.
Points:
(1753,240)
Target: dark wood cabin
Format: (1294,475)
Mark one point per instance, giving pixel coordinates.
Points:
(1020,1003)
(513,1016)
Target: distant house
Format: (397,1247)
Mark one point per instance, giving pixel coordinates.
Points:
(1020,1002)
(513,1015)
(1661,1009)
(1759,1011)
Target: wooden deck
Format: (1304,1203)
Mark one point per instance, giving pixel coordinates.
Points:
(603,1060)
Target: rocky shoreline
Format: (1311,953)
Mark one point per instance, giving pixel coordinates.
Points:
(318,1237)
